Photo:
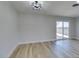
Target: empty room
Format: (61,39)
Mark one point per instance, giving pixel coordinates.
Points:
(39,29)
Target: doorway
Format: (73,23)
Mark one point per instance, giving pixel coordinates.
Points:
(62,30)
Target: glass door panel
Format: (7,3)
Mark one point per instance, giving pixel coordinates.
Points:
(62,30)
(59,30)
(66,30)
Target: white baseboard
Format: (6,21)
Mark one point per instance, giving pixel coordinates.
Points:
(77,38)
(37,41)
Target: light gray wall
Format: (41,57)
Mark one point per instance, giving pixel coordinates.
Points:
(72,28)
(77,28)
(35,28)
(8,29)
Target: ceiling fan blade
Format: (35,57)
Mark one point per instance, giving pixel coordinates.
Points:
(74,5)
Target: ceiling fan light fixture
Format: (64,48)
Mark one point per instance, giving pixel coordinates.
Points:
(36,5)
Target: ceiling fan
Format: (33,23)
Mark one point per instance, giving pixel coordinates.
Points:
(76,4)
(36,5)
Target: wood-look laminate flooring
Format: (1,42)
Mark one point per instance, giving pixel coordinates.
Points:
(57,49)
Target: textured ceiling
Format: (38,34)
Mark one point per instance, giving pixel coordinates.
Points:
(57,8)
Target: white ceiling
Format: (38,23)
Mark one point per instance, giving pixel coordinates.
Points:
(57,8)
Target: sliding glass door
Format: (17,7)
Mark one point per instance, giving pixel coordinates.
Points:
(62,30)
